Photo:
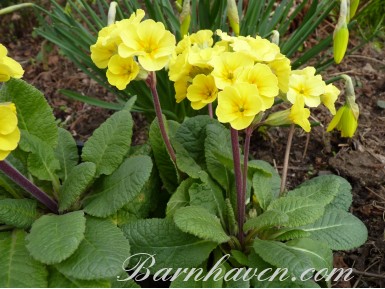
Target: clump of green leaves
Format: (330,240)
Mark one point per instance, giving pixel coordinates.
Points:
(108,184)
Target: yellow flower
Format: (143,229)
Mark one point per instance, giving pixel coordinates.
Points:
(238,105)
(228,67)
(345,120)
(109,39)
(280,66)
(261,50)
(179,66)
(121,71)
(181,86)
(305,84)
(9,132)
(265,80)
(329,97)
(202,91)
(8,67)
(151,42)
(300,115)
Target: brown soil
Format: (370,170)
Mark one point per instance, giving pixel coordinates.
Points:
(361,159)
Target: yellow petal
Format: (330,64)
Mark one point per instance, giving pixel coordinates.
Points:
(10,141)
(8,120)
(4,154)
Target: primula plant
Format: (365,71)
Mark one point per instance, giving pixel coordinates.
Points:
(189,208)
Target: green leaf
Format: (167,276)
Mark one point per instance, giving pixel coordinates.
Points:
(77,182)
(199,222)
(301,211)
(172,247)
(17,267)
(58,280)
(289,234)
(265,220)
(262,189)
(20,213)
(180,198)
(218,141)
(110,143)
(187,164)
(191,135)
(120,188)
(100,255)
(209,196)
(34,114)
(322,189)
(318,252)
(282,256)
(166,167)
(42,162)
(339,229)
(53,238)
(67,153)
(344,198)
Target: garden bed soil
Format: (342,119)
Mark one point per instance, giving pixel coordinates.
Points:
(361,159)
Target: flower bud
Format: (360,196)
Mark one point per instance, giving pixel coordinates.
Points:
(185,18)
(112,13)
(353,7)
(278,118)
(232,14)
(341,33)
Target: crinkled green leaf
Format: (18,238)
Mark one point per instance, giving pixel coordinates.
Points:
(17,267)
(166,167)
(67,153)
(20,213)
(322,189)
(191,135)
(110,143)
(180,198)
(34,114)
(42,162)
(100,255)
(118,189)
(339,229)
(171,247)
(54,238)
(218,141)
(301,210)
(209,196)
(265,220)
(318,252)
(283,256)
(59,280)
(266,186)
(201,223)
(77,182)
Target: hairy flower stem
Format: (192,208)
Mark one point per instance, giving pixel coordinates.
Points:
(210,108)
(241,198)
(286,160)
(151,82)
(27,185)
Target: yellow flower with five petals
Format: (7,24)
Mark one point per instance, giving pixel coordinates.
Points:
(202,91)
(121,71)
(151,42)
(238,105)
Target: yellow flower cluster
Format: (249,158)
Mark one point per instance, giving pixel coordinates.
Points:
(130,48)
(245,74)
(8,67)
(9,132)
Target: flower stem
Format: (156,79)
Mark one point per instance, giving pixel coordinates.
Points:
(210,108)
(151,82)
(26,184)
(286,160)
(241,198)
